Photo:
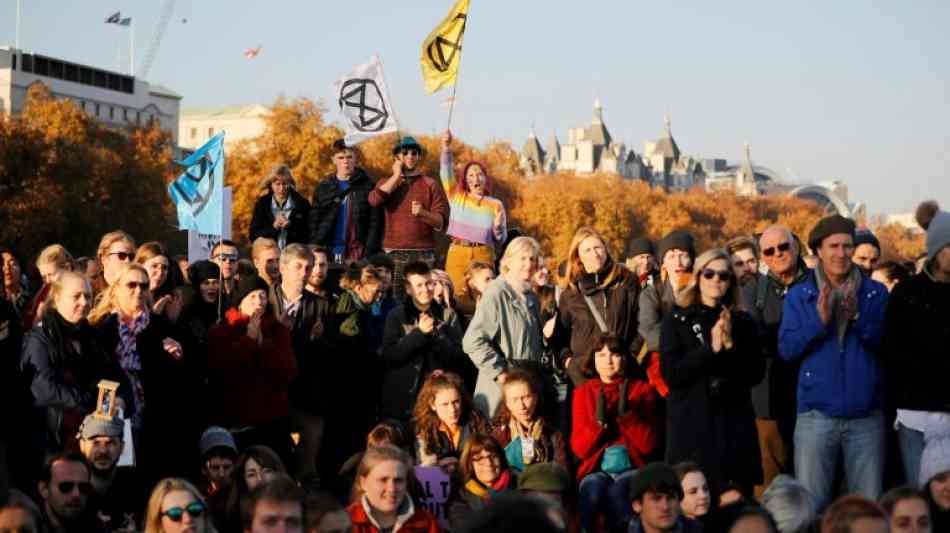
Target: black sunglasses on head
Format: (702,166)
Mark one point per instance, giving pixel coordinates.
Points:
(175,514)
(85,487)
(770,251)
(723,274)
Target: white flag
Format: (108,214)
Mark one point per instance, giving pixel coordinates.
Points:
(364,102)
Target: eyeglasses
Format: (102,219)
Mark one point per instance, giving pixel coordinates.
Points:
(85,487)
(132,285)
(723,274)
(226,258)
(407,151)
(123,256)
(487,458)
(784,247)
(175,514)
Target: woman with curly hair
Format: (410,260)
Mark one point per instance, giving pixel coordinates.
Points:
(444,419)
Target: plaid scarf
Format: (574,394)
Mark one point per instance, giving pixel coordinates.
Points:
(131,363)
(844,299)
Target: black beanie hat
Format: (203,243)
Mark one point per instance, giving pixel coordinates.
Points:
(866,237)
(202,270)
(676,239)
(827,227)
(656,477)
(246,285)
(640,246)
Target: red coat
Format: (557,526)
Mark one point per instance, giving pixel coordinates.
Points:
(637,429)
(420,521)
(251,379)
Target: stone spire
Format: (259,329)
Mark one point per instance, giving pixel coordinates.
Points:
(598,112)
(746,175)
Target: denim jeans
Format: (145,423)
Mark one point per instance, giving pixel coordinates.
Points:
(818,441)
(912,447)
(601,492)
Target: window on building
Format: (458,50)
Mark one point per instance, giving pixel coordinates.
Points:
(125,115)
(111,113)
(210,132)
(194,133)
(97,110)
(82,105)
(138,117)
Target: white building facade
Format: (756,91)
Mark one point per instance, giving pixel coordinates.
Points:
(240,122)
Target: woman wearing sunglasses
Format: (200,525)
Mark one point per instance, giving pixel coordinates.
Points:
(116,250)
(710,359)
(176,506)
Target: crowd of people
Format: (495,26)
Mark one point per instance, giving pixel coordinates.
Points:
(777,383)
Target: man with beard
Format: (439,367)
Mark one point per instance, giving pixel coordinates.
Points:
(116,501)
(745,259)
(65,488)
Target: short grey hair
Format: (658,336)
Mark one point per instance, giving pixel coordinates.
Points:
(788,235)
(295,251)
(790,504)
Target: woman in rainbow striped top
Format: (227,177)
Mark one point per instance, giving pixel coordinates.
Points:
(477,223)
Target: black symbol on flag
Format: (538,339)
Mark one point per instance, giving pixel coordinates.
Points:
(199,201)
(439,46)
(373,114)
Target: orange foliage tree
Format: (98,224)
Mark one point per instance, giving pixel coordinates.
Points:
(67,178)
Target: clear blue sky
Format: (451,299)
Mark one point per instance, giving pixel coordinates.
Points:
(854,90)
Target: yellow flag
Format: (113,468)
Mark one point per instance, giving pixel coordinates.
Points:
(442,49)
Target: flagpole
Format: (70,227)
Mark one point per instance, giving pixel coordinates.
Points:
(132,47)
(392,108)
(17,45)
(448,126)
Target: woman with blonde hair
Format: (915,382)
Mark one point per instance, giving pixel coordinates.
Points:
(162,381)
(601,297)
(116,249)
(711,358)
(52,261)
(506,327)
(281,214)
(162,279)
(176,506)
(381,499)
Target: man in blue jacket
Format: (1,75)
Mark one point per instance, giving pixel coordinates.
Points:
(833,322)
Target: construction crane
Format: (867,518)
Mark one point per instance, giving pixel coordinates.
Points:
(166,16)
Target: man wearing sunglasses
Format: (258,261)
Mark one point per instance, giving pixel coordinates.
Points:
(225,254)
(65,487)
(774,398)
(118,492)
(414,208)
(833,323)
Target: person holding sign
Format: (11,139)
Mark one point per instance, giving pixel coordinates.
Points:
(477,223)
(381,501)
(444,420)
(615,431)
(519,427)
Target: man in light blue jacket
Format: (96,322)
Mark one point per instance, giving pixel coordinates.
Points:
(833,323)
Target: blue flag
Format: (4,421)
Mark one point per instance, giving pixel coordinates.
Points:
(198,192)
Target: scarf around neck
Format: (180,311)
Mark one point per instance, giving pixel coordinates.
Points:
(844,299)
(485,492)
(131,363)
(536,433)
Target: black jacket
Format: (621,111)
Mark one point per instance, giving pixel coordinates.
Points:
(410,355)
(262,222)
(916,345)
(314,356)
(326,202)
(710,419)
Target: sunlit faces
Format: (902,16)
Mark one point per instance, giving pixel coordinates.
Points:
(643,263)
(420,288)
(487,466)
(318,274)
(157,268)
(910,515)
(281,187)
(345,163)
(541,276)
(268,264)
(385,486)
(593,254)
(696,497)
(226,257)
(715,279)
(210,288)
(119,254)
(676,261)
(410,157)
(189,511)
(658,511)
(475,179)
(11,269)
(939,488)
(745,265)
(447,405)
(482,277)
(835,254)
(522,265)
(254,302)
(132,293)
(102,452)
(521,401)
(369,292)
(295,272)
(49,271)
(277,517)
(608,364)
(255,474)
(779,252)
(74,299)
(866,256)
(17,520)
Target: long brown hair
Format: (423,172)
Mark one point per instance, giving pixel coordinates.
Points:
(575,267)
(424,419)
(690,294)
(263,456)
(526,377)
(151,250)
(474,446)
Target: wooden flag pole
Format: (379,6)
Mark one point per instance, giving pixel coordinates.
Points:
(448,126)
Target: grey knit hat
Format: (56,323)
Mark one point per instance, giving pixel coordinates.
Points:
(99,426)
(936,458)
(937,225)
(216,437)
